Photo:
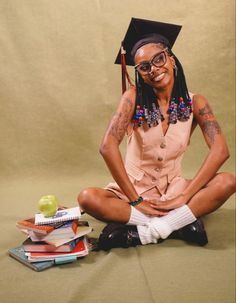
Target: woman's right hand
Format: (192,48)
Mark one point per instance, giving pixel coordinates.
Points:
(146,208)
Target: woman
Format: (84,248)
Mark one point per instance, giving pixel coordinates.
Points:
(159,116)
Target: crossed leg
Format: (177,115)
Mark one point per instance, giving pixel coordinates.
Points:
(106,206)
(213,195)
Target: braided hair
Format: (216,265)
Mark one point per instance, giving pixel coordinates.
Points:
(146,107)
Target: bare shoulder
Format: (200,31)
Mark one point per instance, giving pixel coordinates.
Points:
(122,117)
(206,119)
(202,108)
(199,100)
(129,95)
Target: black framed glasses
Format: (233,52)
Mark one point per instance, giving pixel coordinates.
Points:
(158,60)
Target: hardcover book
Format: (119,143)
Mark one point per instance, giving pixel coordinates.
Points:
(29,224)
(80,250)
(30,246)
(67,230)
(81,231)
(18,253)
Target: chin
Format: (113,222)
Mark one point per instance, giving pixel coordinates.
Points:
(165,82)
(162,84)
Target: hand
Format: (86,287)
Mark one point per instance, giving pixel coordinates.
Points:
(149,208)
(169,204)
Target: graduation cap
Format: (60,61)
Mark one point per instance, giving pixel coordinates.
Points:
(142,31)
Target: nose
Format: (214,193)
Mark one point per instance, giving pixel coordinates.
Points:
(152,69)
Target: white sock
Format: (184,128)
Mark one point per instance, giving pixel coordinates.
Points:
(164,226)
(137,217)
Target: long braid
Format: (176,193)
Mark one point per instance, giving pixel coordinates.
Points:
(147,109)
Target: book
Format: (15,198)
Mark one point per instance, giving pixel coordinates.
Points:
(81,231)
(60,216)
(67,230)
(18,253)
(30,225)
(42,246)
(80,250)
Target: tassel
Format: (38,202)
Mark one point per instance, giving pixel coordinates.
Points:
(124,73)
(123,66)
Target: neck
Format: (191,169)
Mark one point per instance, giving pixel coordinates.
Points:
(164,94)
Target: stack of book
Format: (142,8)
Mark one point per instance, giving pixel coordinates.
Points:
(54,240)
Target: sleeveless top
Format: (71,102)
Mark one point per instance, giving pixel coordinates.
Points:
(154,159)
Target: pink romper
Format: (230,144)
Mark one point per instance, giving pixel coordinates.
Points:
(153,160)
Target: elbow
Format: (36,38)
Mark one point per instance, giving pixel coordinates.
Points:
(220,153)
(224,153)
(108,146)
(104,149)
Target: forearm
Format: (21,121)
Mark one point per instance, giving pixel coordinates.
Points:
(113,159)
(208,170)
(218,150)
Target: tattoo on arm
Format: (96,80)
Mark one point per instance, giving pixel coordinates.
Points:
(206,112)
(120,121)
(211,129)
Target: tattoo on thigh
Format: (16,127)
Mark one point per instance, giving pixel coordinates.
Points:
(206,112)
(211,128)
(120,121)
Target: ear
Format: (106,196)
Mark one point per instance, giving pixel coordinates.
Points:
(172,59)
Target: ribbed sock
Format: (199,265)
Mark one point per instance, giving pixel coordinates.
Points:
(162,227)
(137,217)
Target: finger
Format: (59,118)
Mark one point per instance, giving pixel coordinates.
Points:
(158,213)
(161,206)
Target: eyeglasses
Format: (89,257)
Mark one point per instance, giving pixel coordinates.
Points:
(158,61)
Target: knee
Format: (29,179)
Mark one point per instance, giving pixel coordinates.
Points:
(227,181)
(86,197)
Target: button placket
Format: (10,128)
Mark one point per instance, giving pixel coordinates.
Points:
(161,150)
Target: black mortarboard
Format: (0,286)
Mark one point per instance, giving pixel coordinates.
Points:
(139,29)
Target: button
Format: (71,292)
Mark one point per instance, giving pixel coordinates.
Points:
(160,159)
(163,145)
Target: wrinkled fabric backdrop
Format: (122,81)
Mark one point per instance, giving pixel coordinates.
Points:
(58,90)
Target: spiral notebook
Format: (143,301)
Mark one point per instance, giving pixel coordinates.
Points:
(60,216)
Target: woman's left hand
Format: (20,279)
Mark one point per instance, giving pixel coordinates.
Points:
(169,204)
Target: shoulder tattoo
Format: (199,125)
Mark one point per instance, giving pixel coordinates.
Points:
(121,120)
(211,129)
(206,112)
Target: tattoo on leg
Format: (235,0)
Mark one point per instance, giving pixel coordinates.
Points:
(120,121)
(211,128)
(206,112)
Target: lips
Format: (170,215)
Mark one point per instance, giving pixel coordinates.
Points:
(158,77)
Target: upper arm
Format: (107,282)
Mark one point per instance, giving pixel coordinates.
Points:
(121,118)
(204,116)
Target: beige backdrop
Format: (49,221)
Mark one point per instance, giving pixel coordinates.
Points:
(58,90)
(59,85)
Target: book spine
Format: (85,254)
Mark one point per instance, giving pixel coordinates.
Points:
(63,260)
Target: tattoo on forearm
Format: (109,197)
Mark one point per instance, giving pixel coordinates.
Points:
(211,128)
(206,112)
(120,121)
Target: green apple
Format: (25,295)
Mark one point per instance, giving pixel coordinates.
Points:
(48,205)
